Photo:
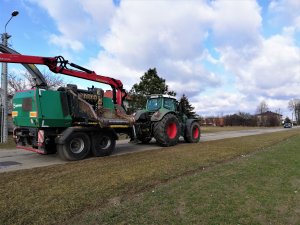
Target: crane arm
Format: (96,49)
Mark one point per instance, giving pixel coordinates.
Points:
(59,65)
(31,68)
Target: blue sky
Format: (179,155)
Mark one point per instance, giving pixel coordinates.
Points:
(226,56)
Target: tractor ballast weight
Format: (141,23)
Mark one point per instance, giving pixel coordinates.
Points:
(164,120)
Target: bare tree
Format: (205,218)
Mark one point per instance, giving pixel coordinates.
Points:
(26,81)
(262,107)
(16,83)
(294,106)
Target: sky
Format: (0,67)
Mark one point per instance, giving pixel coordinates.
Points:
(226,56)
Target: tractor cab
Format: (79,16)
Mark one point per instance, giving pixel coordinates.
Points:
(161,102)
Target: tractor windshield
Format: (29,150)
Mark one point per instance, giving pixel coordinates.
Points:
(169,104)
(153,104)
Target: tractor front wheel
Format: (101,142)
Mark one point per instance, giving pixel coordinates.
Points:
(167,131)
(192,133)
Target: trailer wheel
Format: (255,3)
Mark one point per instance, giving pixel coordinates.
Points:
(192,133)
(103,144)
(76,147)
(167,131)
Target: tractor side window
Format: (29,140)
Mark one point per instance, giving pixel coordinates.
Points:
(169,104)
(153,104)
(27,104)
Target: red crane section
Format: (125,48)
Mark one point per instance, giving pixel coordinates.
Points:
(59,65)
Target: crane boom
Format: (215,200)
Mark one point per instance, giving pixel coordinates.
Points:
(59,65)
(31,68)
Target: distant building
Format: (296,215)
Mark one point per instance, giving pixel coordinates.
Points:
(269,119)
(213,121)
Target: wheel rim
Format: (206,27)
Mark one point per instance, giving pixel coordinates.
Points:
(104,143)
(76,145)
(172,130)
(196,132)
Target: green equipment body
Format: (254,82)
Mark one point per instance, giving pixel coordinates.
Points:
(71,121)
(40,108)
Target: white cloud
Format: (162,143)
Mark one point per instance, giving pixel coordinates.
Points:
(66,43)
(285,13)
(107,66)
(221,103)
(77,20)
(145,32)
(236,23)
(271,72)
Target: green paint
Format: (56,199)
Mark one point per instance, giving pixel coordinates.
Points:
(108,103)
(46,103)
(50,111)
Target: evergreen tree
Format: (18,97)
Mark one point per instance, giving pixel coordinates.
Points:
(187,108)
(150,83)
(287,120)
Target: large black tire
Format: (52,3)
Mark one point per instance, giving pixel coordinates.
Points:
(167,131)
(76,147)
(103,144)
(193,133)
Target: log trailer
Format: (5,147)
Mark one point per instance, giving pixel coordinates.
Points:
(69,120)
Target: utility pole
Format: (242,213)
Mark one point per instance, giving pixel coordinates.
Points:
(4,112)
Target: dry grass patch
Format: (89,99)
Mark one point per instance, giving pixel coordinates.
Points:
(261,188)
(9,145)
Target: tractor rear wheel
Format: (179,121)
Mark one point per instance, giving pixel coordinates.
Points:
(167,130)
(192,134)
(103,144)
(76,147)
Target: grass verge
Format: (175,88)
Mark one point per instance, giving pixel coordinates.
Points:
(55,194)
(257,189)
(9,145)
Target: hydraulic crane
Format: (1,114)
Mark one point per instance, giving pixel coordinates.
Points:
(59,65)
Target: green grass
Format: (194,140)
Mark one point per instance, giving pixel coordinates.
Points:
(9,145)
(94,191)
(259,189)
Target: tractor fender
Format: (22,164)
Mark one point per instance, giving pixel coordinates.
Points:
(139,114)
(63,137)
(157,116)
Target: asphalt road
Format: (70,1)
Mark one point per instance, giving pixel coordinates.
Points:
(17,159)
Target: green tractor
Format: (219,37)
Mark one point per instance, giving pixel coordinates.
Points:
(164,119)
